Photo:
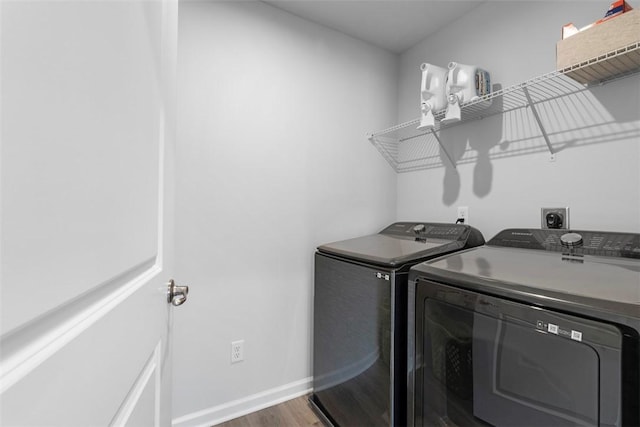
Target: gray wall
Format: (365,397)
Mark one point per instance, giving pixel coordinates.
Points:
(272,161)
(504,172)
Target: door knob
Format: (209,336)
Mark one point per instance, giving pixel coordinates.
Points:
(176,295)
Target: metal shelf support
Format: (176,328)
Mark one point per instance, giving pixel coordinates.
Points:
(435,135)
(537,117)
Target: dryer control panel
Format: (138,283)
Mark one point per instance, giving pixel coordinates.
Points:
(574,242)
(425,230)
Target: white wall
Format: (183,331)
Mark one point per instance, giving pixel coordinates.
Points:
(510,176)
(272,161)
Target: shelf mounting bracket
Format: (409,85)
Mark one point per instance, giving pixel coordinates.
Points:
(435,135)
(537,117)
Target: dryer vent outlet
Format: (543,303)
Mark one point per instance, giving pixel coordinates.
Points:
(555,218)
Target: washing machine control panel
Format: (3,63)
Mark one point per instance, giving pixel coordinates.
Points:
(574,242)
(427,230)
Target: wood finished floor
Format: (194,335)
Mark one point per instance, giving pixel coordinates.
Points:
(293,413)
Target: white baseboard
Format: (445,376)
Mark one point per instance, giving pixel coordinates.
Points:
(237,408)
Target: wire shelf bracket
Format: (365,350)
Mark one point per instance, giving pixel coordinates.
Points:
(538,121)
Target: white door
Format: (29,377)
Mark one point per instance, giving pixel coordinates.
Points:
(87,131)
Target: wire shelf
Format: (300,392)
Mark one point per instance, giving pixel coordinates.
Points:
(408,148)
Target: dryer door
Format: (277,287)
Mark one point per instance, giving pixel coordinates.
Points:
(485,360)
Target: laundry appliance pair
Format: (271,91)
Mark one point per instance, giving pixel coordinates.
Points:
(425,325)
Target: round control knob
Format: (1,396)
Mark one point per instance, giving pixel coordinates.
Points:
(419,228)
(571,239)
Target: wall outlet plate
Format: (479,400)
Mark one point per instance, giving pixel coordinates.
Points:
(237,351)
(554,218)
(463,214)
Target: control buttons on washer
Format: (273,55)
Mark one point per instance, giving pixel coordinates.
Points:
(419,228)
(571,239)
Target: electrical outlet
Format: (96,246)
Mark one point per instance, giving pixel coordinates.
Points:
(463,214)
(237,351)
(555,218)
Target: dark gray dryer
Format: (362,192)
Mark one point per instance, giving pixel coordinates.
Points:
(536,328)
(360,309)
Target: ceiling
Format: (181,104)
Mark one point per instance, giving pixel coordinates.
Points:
(395,25)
